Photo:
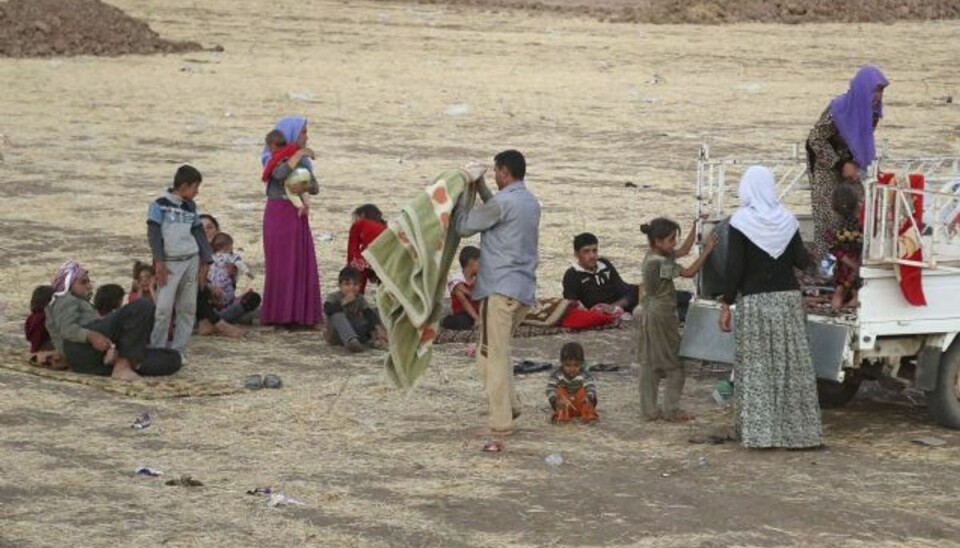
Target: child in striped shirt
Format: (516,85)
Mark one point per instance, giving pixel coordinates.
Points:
(571,390)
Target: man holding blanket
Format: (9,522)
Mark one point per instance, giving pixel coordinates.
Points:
(509,227)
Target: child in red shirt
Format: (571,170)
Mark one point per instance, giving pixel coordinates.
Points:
(367,225)
(35,327)
(465,312)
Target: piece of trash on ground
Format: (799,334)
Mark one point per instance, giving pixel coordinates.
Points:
(143,421)
(457,110)
(280,499)
(185,481)
(148,472)
(303,96)
(554,459)
(324,237)
(930,441)
(493,446)
(260,491)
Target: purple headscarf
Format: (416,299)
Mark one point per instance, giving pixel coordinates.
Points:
(290,126)
(853,114)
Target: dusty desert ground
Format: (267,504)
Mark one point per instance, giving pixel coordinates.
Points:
(396,93)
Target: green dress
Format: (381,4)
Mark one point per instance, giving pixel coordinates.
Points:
(659,341)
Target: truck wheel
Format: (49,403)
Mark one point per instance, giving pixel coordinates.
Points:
(837,394)
(943,402)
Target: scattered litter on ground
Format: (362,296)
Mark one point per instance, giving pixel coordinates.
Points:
(280,499)
(260,491)
(184,481)
(930,441)
(324,237)
(554,459)
(458,110)
(148,472)
(301,96)
(143,421)
(493,446)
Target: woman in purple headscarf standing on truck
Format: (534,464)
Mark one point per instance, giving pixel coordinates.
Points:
(291,291)
(840,147)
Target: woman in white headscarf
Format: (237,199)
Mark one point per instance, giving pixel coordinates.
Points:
(776,392)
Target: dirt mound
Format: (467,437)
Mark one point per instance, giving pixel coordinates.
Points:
(40,28)
(733,11)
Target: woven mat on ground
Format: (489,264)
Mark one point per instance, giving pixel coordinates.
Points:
(445,336)
(148,389)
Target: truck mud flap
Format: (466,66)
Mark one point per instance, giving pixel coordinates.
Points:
(703,340)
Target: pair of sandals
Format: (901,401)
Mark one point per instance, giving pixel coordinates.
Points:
(256,382)
(527,367)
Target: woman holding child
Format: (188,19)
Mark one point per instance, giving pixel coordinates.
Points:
(841,147)
(291,291)
(776,392)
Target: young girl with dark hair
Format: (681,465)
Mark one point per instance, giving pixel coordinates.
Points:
(659,344)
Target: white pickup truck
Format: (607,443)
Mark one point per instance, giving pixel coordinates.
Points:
(885,336)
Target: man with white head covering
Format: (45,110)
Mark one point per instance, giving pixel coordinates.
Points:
(776,393)
(83,338)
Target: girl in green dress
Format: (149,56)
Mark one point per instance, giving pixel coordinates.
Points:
(659,344)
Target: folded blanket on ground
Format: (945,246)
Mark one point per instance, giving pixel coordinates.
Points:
(412,258)
(548,312)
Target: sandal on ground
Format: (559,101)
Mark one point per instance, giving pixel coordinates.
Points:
(527,367)
(603,368)
(253,382)
(272,381)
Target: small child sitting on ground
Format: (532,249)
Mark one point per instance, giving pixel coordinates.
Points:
(571,390)
(223,276)
(350,320)
(464,311)
(35,327)
(367,225)
(144,281)
(846,244)
(298,183)
(106,300)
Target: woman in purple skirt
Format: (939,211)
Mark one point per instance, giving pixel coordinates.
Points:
(291,291)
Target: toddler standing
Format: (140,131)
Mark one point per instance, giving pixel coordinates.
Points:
(846,244)
(367,225)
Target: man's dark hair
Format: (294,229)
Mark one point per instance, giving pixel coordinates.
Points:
(108,298)
(42,295)
(186,175)
(659,229)
(348,274)
(572,352)
(212,219)
(581,241)
(513,161)
(467,254)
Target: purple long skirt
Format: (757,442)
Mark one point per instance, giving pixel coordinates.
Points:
(291,287)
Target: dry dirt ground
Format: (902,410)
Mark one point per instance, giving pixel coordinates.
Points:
(395,94)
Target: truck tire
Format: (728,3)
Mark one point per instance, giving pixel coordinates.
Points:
(943,402)
(837,394)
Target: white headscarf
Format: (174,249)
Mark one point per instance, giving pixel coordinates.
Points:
(761,218)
